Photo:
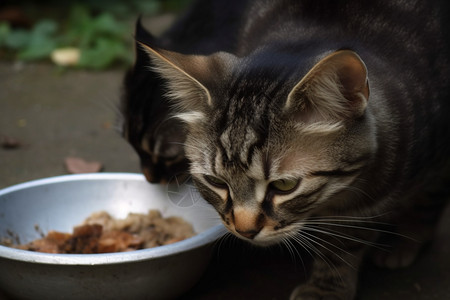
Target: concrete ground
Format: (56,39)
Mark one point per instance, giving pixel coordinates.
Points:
(58,115)
(55,115)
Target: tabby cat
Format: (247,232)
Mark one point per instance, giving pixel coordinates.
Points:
(320,123)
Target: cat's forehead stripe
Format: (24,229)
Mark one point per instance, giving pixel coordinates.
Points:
(244,129)
(238,145)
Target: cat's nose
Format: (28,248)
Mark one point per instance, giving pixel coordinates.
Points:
(148,174)
(247,223)
(153,175)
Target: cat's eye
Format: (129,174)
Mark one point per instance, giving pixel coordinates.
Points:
(217,182)
(284,186)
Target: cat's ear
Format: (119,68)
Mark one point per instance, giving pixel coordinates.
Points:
(184,75)
(335,89)
(141,35)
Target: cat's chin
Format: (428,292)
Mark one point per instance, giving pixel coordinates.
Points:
(259,242)
(264,242)
(265,239)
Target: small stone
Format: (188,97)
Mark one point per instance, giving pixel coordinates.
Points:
(66,56)
(8,142)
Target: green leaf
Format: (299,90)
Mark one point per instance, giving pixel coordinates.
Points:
(101,55)
(39,49)
(148,7)
(106,24)
(45,27)
(5,31)
(78,15)
(41,41)
(78,27)
(17,39)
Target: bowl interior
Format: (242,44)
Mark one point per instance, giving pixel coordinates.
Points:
(60,203)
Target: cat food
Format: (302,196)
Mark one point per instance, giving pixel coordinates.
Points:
(101,233)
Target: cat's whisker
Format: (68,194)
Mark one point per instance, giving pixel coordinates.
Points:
(288,243)
(334,234)
(218,243)
(292,250)
(322,243)
(203,151)
(327,243)
(331,222)
(342,236)
(189,146)
(345,218)
(114,106)
(306,244)
(331,265)
(298,239)
(118,128)
(161,124)
(111,103)
(359,191)
(356,190)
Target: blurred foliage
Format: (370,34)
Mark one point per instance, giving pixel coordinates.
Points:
(100,38)
(33,44)
(100,29)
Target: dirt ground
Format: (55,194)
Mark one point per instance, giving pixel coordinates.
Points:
(56,115)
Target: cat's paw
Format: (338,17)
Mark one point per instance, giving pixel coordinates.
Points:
(310,292)
(402,254)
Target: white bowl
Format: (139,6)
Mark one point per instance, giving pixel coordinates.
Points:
(60,203)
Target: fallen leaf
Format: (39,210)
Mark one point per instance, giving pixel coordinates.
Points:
(76,165)
(8,142)
(107,125)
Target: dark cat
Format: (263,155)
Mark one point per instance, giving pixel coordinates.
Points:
(311,120)
(157,138)
(147,121)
